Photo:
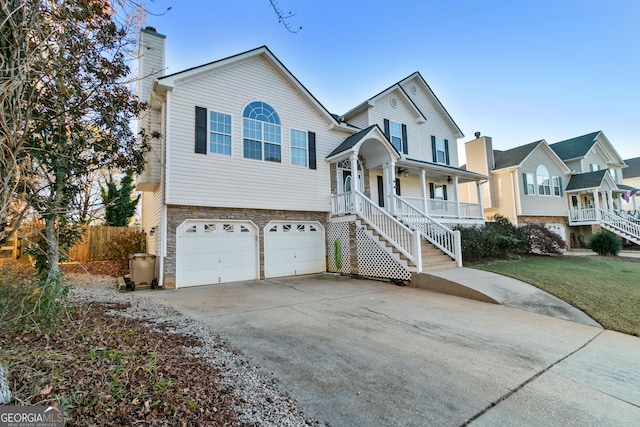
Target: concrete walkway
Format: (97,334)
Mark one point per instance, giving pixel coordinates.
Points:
(368,353)
(499,289)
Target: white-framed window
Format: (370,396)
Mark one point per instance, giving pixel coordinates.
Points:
(298,148)
(262,133)
(594,167)
(441,150)
(544,181)
(529,184)
(395,131)
(219,133)
(614,175)
(557,186)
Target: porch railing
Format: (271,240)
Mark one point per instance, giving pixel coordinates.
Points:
(614,221)
(583,215)
(633,217)
(446,208)
(618,223)
(405,240)
(447,240)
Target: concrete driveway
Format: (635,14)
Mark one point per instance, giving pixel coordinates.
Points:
(367,353)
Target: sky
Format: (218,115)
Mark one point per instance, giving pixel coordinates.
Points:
(516,70)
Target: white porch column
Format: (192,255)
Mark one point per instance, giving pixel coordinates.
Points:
(354,181)
(423,190)
(620,201)
(596,204)
(455,194)
(385,185)
(609,200)
(391,188)
(479,189)
(635,205)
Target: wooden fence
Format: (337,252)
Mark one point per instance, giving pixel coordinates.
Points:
(93,246)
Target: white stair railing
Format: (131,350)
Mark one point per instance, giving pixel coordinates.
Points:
(617,223)
(447,240)
(405,240)
(628,217)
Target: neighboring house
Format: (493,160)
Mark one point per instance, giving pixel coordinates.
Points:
(631,178)
(253,178)
(573,187)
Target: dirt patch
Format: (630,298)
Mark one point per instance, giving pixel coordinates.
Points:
(105,268)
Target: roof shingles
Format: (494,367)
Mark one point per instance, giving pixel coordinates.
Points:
(514,156)
(575,147)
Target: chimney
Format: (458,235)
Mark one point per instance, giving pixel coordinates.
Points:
(150,60)
(479,153)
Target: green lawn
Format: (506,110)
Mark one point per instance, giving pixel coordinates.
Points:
(607,289)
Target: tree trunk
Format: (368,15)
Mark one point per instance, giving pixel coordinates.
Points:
(53,246)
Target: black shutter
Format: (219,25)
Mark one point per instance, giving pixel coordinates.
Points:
(560,184)
(433,150)
(398,187)
(380,192)
(432,191)
(524,181)
(405,144)
(201,130)
(446,151)
(311,136)
(444,192)
(387,131)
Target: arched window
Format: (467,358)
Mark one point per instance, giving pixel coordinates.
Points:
(544,181)
(261,129)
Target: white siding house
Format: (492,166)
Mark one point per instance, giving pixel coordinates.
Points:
(253,178)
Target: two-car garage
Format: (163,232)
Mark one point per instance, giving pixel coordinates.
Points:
(220,251)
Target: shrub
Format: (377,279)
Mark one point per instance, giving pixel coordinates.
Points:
(472,242)
(124,244)
(540,240)
(28,301)
(495,240)
(606,243)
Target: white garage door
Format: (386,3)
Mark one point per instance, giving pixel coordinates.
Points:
(216,252)
(292,248)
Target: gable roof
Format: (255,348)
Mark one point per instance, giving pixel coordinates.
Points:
(633,171)
(170,80)
(444,110)
(586,180)
(354,139)
(514,156)
(397,86)
(574,148)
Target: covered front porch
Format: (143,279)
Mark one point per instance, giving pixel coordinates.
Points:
(602,206)
(434,190)
(593,196)
(369,166)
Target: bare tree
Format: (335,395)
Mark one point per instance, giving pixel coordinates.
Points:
(283,18)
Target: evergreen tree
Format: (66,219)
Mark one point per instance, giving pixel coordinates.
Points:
(118,202)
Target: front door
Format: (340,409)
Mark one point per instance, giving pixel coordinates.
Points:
(345,181)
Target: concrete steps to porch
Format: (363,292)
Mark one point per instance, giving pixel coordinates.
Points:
(433,258)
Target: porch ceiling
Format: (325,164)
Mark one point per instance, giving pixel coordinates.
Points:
(439,172)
